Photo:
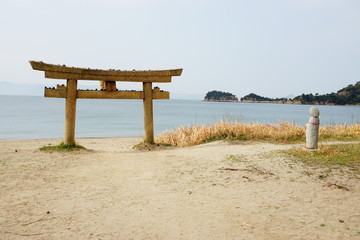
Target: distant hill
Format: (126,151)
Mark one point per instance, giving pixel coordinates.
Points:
(8,88)
(252,97)
(349,95)
(218,96)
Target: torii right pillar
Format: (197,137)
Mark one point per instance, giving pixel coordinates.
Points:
(148,113)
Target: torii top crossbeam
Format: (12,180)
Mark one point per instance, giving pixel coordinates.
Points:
(64,72)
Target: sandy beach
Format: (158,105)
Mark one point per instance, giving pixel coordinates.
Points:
(218,190)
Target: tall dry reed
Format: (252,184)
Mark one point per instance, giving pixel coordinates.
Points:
(282,133)
(340,132)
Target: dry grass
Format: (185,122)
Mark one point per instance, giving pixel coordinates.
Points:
(340,132)
(280,133)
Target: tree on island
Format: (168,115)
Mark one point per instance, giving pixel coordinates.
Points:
(349,95)
(252,97)
(219,96)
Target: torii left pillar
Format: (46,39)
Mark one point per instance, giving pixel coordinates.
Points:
(70,112)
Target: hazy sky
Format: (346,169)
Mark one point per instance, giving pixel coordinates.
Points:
(269,47)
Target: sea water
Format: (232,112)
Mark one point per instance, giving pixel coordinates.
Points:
(35,117)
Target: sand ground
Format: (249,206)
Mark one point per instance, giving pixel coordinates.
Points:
(213,191)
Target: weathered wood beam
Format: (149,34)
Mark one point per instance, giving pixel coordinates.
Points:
(161,95)
(88,94)
(38,65)
(64,72)
(110,95)
(55,93)
(123,78)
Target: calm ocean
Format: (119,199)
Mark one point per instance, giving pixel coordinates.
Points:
(31,117)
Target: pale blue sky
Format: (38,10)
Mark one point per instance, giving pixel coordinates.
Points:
(269,47)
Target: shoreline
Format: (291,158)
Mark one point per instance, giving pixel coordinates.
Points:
(60,139)
(298,103)
(290,103)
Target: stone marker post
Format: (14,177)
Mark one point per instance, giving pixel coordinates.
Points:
(312,129)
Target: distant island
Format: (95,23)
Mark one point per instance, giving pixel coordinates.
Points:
(349,95)
(252,97)
(218,96)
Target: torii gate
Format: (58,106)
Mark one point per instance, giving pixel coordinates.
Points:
(108,90)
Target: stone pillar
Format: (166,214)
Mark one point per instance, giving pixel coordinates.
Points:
(312,129)
(70,112)
(148,113)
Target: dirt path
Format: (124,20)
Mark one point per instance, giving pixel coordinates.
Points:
(212,191)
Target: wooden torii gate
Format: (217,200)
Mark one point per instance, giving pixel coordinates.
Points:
(107,90)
